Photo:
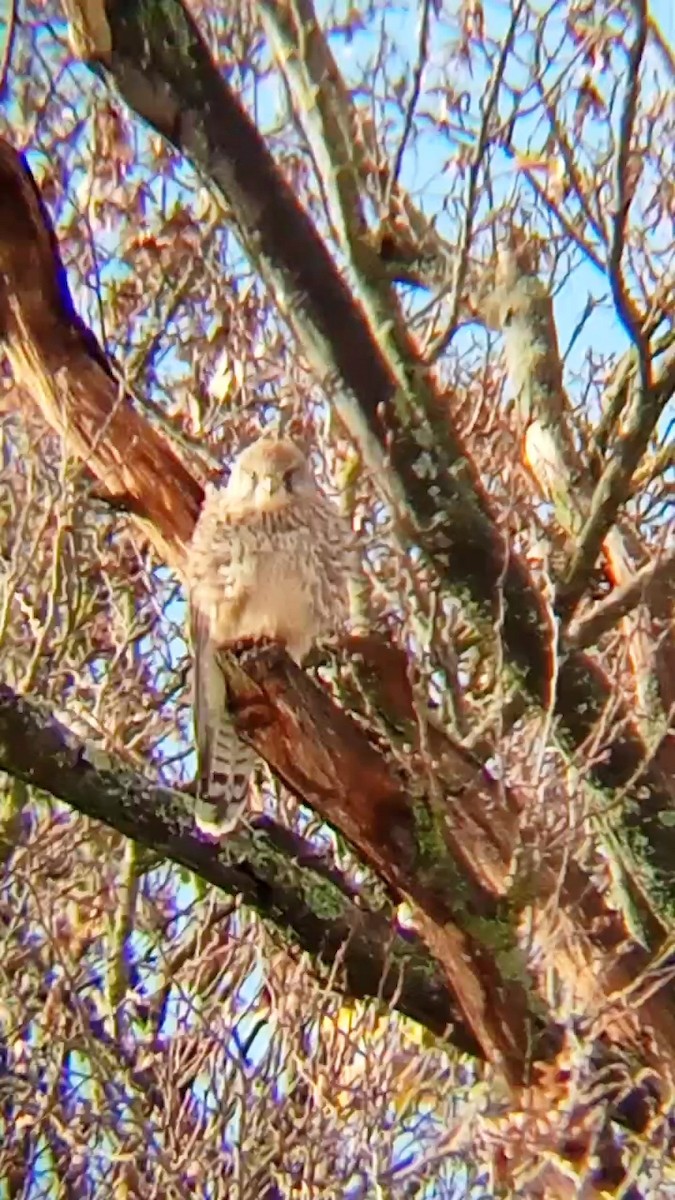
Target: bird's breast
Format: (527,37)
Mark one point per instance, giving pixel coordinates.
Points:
(279,583)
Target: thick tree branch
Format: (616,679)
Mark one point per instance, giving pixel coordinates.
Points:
(408,837)
(59,363)
(324,109)
(319,752)
(277,708)
(522,308)
(321,755)
(311,909)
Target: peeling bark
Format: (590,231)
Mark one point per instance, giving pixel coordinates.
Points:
(60,365)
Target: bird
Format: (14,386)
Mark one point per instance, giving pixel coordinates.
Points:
(270,558)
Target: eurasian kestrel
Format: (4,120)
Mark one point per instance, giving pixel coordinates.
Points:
(270,558)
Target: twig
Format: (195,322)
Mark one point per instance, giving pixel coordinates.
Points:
(589,629)
(462,260)
(117,973)
(10,22)
(623,197)
(612,490)
(662,44)
(573,174)
(422,49)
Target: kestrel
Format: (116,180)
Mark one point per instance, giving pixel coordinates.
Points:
(270,558)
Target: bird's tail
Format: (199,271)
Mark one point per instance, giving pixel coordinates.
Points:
(222,796)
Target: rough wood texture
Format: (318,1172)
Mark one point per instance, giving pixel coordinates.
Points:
(319,752)
(61,366)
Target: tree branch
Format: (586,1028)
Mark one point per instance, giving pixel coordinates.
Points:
(313,911)
(613,489)
(325,112)
(586,631)
(623,196)
(61,366)
(523,309)
(408,837)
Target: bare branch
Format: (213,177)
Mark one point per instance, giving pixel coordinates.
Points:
(587,631)
(65,372)
(462,258)
(321,755)
(523,308)
(325,111)
(377,961)
(6,58)
(623,197)
(614,488)
(420,64)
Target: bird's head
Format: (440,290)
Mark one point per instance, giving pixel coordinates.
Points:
(269,474)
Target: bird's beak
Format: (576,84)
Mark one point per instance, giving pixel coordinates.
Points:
(271,484)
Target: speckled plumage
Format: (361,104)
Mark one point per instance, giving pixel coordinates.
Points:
(270,558)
